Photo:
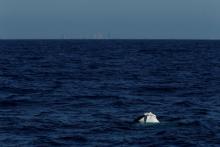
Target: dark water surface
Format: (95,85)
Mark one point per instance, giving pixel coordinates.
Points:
(87,92)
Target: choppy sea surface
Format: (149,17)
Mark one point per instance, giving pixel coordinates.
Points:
(88,92)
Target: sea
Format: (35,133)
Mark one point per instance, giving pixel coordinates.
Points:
(89,92)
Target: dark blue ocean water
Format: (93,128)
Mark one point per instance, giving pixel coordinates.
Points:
(88,92)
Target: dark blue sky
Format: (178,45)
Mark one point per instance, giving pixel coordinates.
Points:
(189,19)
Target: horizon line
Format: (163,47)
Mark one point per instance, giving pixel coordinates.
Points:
(109,39)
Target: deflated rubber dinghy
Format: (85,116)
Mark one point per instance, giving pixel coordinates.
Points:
(147,118)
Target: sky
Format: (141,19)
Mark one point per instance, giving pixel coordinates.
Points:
(122,19)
